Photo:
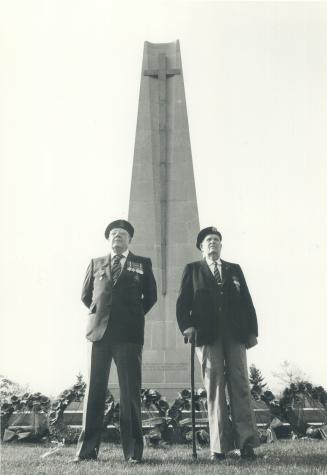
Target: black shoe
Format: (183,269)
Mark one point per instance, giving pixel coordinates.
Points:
(217,457)
(247,453)
(82,459)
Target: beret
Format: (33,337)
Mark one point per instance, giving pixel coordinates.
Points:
(204,232)
(119,223)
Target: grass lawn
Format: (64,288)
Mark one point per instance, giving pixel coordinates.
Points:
(284,457)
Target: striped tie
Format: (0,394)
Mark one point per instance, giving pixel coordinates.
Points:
(216,273)
(116,267)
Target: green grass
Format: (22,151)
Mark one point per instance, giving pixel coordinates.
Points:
(284,457)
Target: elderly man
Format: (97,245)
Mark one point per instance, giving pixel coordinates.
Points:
(215,309)
(119,289)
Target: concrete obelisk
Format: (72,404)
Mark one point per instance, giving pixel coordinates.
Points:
(163,210)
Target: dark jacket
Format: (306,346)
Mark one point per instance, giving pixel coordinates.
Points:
(122,306)
(215,310)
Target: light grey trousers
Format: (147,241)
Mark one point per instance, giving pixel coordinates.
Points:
(224,363)
(128,359)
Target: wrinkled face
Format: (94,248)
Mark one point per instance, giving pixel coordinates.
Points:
(119,240)
(211,246)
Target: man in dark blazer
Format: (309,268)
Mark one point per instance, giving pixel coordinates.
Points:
(215,310)
(119,289)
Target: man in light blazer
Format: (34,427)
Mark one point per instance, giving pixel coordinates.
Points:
(215,309)
(119,289)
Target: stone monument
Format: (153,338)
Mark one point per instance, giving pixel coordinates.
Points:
(163,210)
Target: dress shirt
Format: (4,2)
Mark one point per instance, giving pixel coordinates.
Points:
(211,265)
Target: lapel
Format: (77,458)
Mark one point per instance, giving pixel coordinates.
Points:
(225,267)
(106,267)
(211,281)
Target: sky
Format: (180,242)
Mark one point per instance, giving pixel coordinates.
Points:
(255,76)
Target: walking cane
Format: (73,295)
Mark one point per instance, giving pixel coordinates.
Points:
(192,399)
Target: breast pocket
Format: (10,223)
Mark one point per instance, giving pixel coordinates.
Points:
(134,279)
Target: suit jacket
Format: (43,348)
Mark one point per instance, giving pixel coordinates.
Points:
(215,310)
(121,306)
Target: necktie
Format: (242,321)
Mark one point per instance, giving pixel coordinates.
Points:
(216,273)
(116,267)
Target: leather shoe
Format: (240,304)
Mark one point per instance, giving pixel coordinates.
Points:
(133,460)
(247,453)
(217,457)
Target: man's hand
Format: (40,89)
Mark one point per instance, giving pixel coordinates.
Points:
(189,335)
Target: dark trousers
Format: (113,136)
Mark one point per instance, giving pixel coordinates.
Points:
(128,360)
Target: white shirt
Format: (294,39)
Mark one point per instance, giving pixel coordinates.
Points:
(122,260)
(211,265)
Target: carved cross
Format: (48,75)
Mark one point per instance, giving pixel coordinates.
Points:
(162,73)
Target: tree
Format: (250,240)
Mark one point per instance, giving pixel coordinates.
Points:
(290,374)
(79,378)
(257,382)
(9,388)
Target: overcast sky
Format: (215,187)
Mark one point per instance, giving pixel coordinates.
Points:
(255,79)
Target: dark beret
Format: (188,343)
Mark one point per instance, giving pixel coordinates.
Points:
(119,223)
(204,232)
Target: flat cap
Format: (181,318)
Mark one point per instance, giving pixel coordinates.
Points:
(119,223)
(204,232)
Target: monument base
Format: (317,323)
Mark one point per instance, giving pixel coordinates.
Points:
(166,371)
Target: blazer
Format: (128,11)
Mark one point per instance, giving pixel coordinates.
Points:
(121,306)
(214,309)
